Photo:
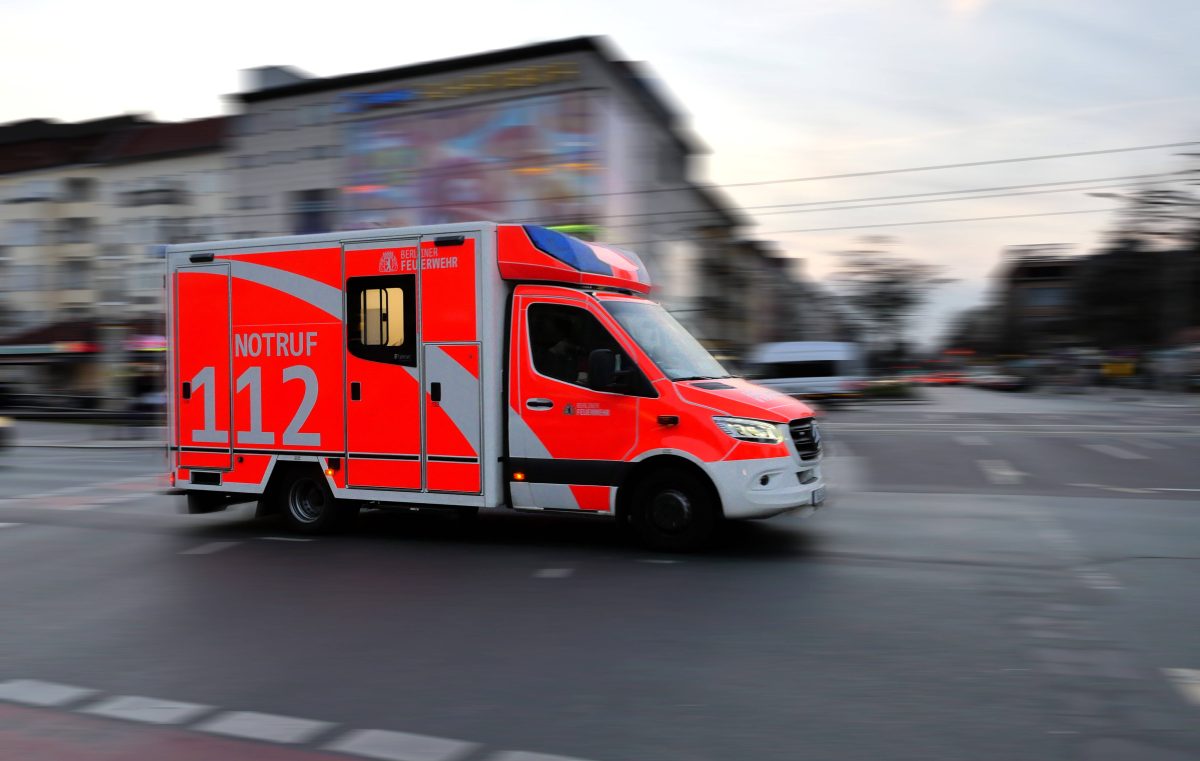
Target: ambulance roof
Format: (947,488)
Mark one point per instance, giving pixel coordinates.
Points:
(529,252)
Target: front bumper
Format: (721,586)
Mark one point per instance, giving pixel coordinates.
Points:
(790,485)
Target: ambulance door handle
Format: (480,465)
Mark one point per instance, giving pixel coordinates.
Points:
(435,392)
(355,391)
(539,404)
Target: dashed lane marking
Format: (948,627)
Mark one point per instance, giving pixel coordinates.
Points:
(1000,472)
(1187,681)
(147,710)
(264,726)
(971,441)
(286,538)
(33,692)
(553,573)
(659,561)
(248,725)
(1120,454)
(400,746)
(210,548)
(9,525)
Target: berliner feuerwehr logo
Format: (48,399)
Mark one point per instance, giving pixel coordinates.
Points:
(388,262)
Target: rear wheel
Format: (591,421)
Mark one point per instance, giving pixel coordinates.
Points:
(672,510)
(308,506)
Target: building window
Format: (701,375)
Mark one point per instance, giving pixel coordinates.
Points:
(312,211)
(75,275)
(80,189)
(381,324)
(24,232)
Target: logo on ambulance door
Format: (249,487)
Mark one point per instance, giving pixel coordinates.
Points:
(388,262)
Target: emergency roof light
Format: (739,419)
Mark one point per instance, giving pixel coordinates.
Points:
(568,250)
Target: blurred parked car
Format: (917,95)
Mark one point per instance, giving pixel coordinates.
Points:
(946,378)
(7,433)
(994,379)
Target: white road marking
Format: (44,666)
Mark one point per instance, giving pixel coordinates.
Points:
(971,441)
(553,573)
(521,755)
(1187,681)
(1161,488)
(147,710)
(37,693)
(659,561)
(1120,454)
(1098,579)
(208,549)
(286,538)
(1119,489)
(264,726)
(9,525)
(1000,472)
(843,469)
(100,486)
(1150,444)
(399,746)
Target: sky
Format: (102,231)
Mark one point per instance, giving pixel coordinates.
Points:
(775,90)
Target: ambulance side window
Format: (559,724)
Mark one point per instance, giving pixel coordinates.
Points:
(381,318)
(562,337)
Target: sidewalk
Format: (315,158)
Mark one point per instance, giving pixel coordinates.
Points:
(29,433)
(1141,396)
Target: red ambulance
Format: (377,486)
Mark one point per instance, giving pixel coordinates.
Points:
(463,366)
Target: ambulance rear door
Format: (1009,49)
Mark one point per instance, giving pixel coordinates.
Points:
(203,367)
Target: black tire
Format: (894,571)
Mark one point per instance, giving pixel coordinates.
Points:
(675,511)
(307,505)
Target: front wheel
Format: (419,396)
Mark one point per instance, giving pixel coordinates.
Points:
(308,506)
(674,511)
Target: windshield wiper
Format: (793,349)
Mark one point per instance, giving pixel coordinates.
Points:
(701,377)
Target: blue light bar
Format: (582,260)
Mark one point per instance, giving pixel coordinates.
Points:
(570,251)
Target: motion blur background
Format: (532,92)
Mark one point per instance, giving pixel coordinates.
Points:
(1001,187)
(972,225)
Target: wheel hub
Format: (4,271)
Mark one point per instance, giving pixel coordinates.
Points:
(306,501)
(671,510)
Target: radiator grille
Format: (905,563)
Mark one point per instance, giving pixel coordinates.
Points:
(807,437)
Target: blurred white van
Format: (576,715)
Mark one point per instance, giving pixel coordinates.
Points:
(812,369)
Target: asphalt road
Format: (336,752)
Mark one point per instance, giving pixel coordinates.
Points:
(997,577)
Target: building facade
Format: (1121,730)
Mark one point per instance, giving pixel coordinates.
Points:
(562,134)
(83,208)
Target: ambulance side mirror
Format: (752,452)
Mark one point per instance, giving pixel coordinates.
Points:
(602,366)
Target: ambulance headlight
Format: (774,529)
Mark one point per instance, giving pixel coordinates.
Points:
(747,429)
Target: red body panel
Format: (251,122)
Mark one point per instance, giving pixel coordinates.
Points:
(386,420)
(203,419)
(448,282)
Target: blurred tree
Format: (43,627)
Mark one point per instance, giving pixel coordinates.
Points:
(1143,287)
(975,329)
(885,290)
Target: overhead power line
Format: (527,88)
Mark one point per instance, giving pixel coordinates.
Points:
(811,178)
(964,164)
(934,222)
(682,216)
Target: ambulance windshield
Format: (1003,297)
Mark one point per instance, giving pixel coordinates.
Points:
(673,349)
